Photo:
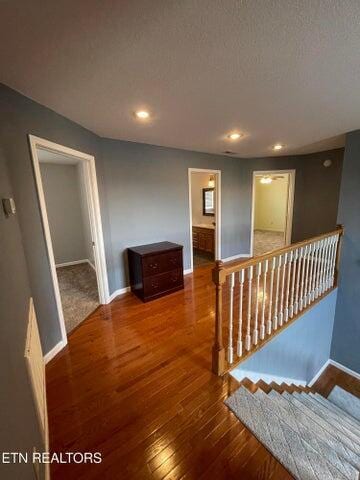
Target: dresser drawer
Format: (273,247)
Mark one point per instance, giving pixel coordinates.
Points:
(164,262)
(163,282)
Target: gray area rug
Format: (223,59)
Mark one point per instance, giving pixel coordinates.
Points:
(299,434)
(79,293)
(346,401)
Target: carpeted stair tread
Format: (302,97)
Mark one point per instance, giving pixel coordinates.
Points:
(299,457)
(335,439)
(332,452)
(329,416)
(337,410)
(346,401)
(331,429)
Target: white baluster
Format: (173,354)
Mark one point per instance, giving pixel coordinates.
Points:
(248,330)
(333,261)
(269,321)
(239,345)
(324,266)
(302,282)
(310,286)
(318,268)
(283,271)
(288,278)
(230,355)
(331,253)
(297,286)
(316,263)
(256,326)
(292,296)
(327,263)
(307,280)
(262,327)
(276,317)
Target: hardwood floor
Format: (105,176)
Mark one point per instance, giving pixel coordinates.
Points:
(135,384)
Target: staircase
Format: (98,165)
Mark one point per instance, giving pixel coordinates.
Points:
(313,437)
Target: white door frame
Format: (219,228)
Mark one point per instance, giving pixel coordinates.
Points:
(290,203)
(88,171)
(217,175)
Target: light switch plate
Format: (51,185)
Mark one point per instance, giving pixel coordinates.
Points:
(9,206)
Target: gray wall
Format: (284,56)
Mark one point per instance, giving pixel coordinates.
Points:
(346,339)
(63,205)
(301,349)
(147,197)
(143,193)
(19,428)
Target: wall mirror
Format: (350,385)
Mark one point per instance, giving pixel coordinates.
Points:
(209,202)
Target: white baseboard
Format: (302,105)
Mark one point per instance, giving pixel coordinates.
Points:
(236,257)
(337,365)
(118,292)
(55,350)
(75,262)
(121,291)
(91,264)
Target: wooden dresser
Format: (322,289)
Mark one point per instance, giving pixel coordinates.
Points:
(156,269)
(204,239)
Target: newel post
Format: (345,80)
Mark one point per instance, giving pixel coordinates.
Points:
(338,253)
(218,350)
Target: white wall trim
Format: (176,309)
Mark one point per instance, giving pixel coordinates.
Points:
(290,206)
(91,265)
(240,374)
(75,262)
(217,174)
(88,171)
(54,351)
(337,365)
(118,292)
(188,271)
(236,257)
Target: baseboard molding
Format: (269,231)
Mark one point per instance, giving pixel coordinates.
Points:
(75,262)
(55,350)
(236,257)
(118,292)
(91,264)
(337,365)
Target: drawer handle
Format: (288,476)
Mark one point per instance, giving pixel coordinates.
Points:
(154,284)
(173,260)
(154,265)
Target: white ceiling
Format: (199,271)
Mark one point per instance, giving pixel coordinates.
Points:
(278,70)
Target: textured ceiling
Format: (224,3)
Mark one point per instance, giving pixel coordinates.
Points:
(279,71)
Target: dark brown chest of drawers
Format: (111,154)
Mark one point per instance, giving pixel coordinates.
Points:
(156,269)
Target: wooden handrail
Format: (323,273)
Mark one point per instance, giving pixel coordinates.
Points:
(227,269)
(302,273)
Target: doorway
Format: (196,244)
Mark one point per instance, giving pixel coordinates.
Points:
(272,210)
(68,197)
(204,203)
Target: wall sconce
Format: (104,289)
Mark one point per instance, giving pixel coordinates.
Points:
(211,182)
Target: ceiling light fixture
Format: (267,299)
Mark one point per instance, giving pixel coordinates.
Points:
(234,136)
(278,146)
(142,114)
(265,180)
(211,182)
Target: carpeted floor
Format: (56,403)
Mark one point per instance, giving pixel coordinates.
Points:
(79,293)
(265,241)
(202,258)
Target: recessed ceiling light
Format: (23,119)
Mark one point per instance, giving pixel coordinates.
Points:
(278,146)
(142,114)
(234,136)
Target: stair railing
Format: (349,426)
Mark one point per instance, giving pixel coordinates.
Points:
(257,298)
